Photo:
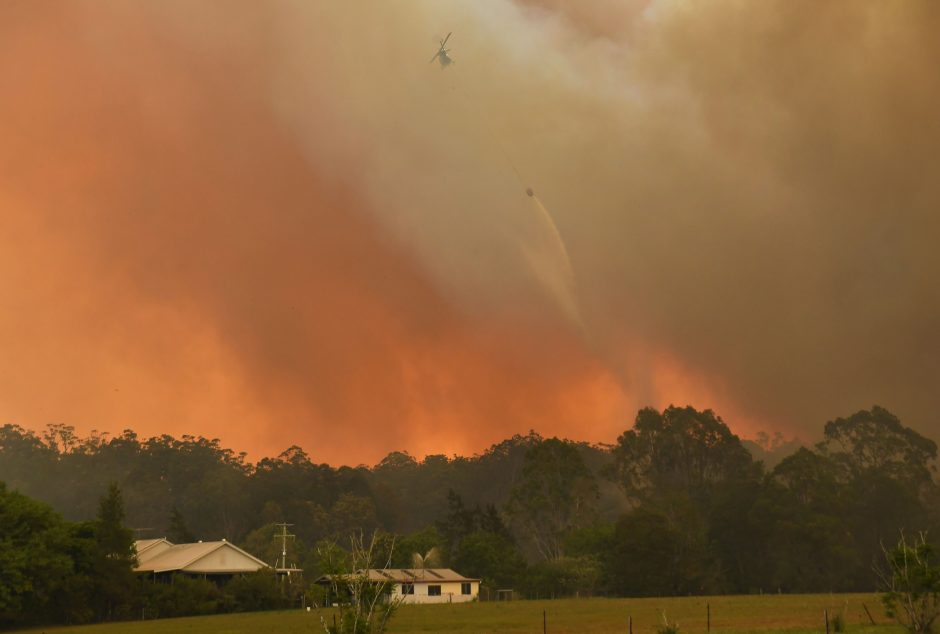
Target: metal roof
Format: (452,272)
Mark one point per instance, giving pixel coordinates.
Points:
(143,544)
(408,575)
(186,558)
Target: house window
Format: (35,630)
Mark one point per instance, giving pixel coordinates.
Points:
(434,591)
(464,588)
(407,588)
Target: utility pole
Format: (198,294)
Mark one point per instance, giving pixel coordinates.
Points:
(284,535)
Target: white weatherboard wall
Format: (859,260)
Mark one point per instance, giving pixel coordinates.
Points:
(450,592)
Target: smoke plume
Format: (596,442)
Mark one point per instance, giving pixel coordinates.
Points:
(276,223)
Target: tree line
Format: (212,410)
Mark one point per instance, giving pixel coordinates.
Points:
(677,505)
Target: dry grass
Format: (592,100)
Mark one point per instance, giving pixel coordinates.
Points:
(731,615)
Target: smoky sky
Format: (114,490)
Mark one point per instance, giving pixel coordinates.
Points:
(277,223)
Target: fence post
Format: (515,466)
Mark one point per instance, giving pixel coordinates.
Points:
(630,621)
(545,623)
(708,617)
(826,613)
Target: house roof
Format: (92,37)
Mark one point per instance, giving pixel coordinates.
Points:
(202,557)
(409,575)
(144,544)
(149,548)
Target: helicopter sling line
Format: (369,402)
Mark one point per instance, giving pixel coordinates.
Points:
(443,57)
(548,257)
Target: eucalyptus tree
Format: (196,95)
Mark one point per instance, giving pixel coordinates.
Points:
(556,494)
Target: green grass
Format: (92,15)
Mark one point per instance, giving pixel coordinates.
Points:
(733,615)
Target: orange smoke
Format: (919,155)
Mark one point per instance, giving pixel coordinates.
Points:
(172,264)
(276,223)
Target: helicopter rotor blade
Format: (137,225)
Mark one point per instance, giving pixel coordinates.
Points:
(444,41)
(436,55)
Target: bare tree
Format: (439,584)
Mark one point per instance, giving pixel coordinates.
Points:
(366,603)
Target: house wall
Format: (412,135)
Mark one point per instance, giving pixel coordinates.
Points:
(450,593)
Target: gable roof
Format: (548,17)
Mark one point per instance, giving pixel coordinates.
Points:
(150,548)
(145,544)
(202,557)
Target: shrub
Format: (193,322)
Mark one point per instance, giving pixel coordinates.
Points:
(184,596)
(913,584)
(252,593)
(564,577)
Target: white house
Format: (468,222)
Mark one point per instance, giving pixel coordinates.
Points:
(161,557)
(422,585)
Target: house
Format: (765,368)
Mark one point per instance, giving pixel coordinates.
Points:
(427,585)
(219,560)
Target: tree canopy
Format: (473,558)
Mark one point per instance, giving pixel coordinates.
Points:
(677,505)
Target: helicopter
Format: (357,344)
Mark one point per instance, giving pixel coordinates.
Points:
(442,55)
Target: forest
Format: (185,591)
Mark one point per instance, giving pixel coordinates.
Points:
(678,505)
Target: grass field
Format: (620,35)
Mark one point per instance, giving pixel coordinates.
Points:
(737,615)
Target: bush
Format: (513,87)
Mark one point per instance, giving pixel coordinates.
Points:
(564,577)
(913,585)
(193,596)
(183,596)
(255,592)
